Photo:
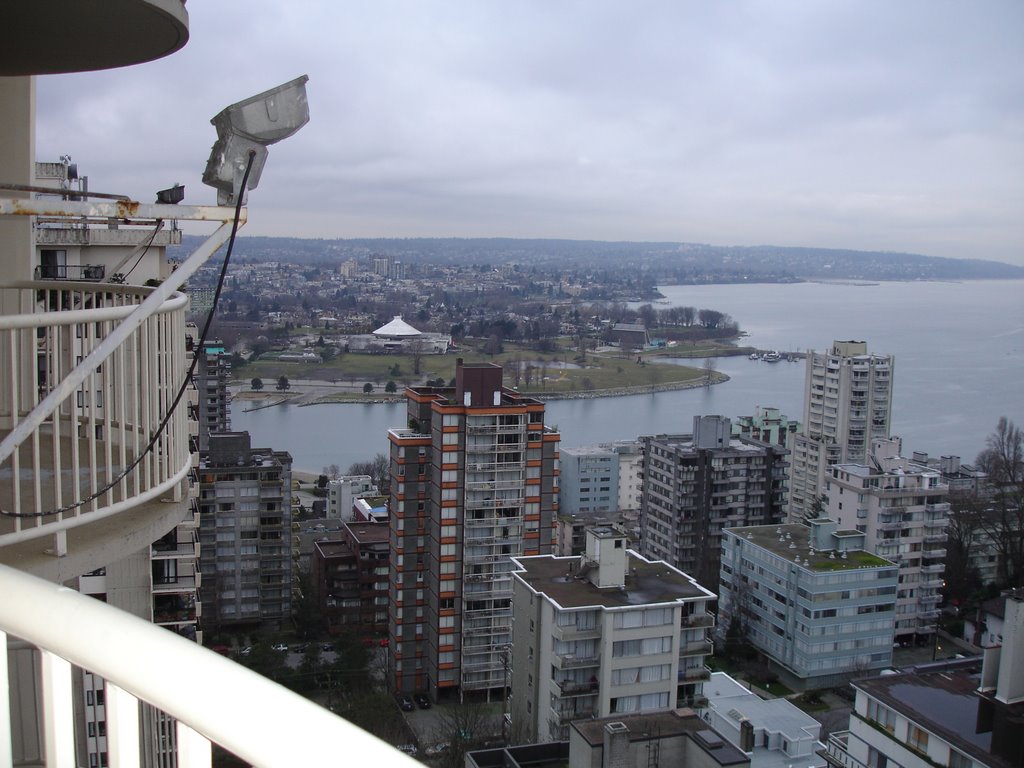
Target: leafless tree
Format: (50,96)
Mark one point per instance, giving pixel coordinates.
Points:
(1003,518)
(461,727)
(1003,457)
(709,370)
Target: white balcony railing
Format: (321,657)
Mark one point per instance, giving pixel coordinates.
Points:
(71,463)
(211,698)
(88,374)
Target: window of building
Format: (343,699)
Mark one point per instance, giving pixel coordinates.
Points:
(917,738)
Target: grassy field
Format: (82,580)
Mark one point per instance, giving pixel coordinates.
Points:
(552,372)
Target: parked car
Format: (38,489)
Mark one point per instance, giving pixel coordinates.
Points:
(404,702)
(245,651)
(279,647)
(302,648)
(436,749)
(326,647)
(421,700)
(409,749)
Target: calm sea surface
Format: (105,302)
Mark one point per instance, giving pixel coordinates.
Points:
(959,351)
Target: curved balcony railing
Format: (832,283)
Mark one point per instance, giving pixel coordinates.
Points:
(212,698)
(70,468)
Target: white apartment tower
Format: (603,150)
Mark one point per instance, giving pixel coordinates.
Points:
(605,633)
(901,508)
(847,404)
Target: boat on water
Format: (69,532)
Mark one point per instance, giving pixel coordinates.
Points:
(771,357)
(754,356)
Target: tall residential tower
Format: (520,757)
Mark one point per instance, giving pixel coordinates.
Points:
(847,404)
(473,483)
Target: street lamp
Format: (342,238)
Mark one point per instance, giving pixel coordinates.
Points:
(247,128)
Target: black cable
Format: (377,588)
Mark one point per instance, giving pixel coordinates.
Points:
(184,385)
(156,229)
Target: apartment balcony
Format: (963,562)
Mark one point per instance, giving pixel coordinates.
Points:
(576,687)
(695,702)
(78,470)
(572,632)
(701,648)
(936,539)
(936,553)
(694,674)
(566,716)
(698,620)
(836,754)
(572,661)
(92,273)
(940,523)
(257,720)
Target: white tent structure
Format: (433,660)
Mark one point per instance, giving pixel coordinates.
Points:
(397,329)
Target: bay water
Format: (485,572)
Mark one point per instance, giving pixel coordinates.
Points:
(959,367)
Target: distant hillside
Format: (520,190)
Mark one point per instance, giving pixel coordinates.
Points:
(660,262)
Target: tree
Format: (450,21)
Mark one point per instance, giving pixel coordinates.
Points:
(709,370)
(461,727)
(1002,520)
(1003,457)
(283,384)
(390,387)
(647,315)
(367,388)
(257,384)
(962,534)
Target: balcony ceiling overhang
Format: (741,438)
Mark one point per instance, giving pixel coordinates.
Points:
(46,37)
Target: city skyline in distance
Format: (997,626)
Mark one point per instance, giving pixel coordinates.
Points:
(861,126)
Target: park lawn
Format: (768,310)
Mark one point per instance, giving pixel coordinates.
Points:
(560,374)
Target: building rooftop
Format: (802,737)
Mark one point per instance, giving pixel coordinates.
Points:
(397,328)
(661,725)
(333,548)
(792,541)
(368,532)
(770,715)
(647,582)
(944,701)
(736,443)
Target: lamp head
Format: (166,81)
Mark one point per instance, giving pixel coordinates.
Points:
(252,125)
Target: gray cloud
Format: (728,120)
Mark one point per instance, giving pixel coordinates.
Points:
(840,124)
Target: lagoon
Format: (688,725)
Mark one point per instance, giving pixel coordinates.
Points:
(959,351)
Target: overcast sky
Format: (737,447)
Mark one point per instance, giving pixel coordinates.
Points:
(860,124)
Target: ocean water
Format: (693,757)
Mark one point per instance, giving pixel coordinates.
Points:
(959,351)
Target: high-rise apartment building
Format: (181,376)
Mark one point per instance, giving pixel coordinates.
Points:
(698,484)
(213,369)
(245,532)
(769,425)
(847,404)
(605,633)
(474,482)
(589,480)
(901,508)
